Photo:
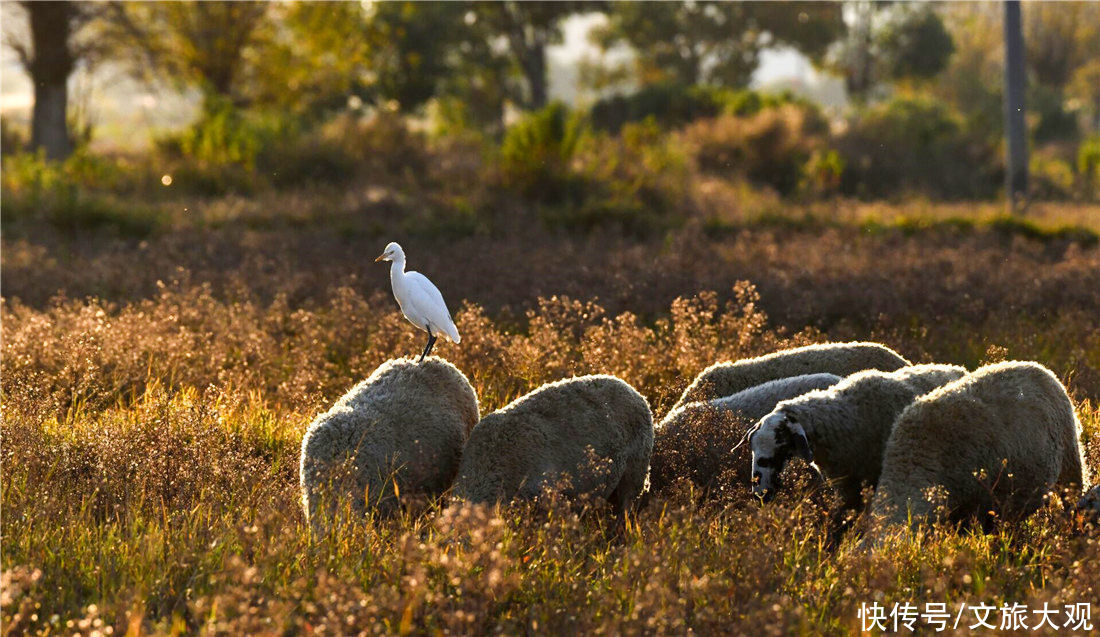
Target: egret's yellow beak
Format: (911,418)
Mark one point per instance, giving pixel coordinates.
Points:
(380,257)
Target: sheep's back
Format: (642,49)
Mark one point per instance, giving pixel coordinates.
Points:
(557,430)
(842,359)
(406,423)
(994,440)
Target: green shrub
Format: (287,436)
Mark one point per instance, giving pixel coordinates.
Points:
(916,145)
(635,181)
(674,105)
(537,152)
(1088,164)
(57,192)
(1051,177)
(669,104)
(770,147)
(580,179)
(1053,121)
(329,153)
(219,152)
(12,140)
(821,175)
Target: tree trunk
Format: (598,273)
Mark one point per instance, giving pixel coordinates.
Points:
(536,74)
(51,25)
(49,123)
(1015,127)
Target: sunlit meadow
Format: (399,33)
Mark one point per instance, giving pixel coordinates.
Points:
(155,392)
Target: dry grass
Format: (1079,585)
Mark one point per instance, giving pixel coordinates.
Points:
(155,392)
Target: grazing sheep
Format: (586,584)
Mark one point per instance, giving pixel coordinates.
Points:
(404,425)
(592,434)
(694,440)
(842,430)
(842,359)
(995,441)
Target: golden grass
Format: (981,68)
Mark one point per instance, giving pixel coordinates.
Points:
(155,391)
(150,478)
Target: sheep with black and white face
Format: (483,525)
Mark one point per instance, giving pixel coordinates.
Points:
(693,441)
(842,430)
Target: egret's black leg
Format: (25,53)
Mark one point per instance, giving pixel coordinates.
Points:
(428,347)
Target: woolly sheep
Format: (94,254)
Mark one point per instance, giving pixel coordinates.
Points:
(694,440)
(403,425)
(842,359)
(995,441)
(842,430)
(592,434)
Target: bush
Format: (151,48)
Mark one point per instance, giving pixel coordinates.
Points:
(70,195)
(12,140)
(674,105)
(636,181)
(218,153)
(579,179)
(537,153)
(338,150)
(770,147)
(1088,165)
(1051,177)
(230,149)
(821,175)
(916,145)
(1053,122)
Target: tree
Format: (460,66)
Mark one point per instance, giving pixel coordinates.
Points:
(50,58)
(1015,126)
(852,57)
(314,59)
(1060,37)
(414,47)
(416,52)
(1085,86)
(716,42)
(528,28)
(890,42)
(203,44)
(914,43)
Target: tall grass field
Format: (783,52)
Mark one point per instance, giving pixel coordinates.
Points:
(156,389)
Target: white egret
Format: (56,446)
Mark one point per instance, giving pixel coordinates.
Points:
(419,299)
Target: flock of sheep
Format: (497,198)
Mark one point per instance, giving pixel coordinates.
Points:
(932,441)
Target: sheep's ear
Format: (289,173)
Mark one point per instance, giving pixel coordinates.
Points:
(745,438)
(801,443)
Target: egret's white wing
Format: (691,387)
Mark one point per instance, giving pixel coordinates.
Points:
(429,304)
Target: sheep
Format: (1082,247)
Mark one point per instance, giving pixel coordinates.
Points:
(694,440)
(841,430)
(398,432)
(842,359)
(996,441)
(592,435)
